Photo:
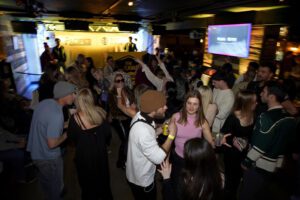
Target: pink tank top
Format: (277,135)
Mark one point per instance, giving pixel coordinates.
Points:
(185,132)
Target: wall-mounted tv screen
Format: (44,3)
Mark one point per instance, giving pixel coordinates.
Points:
(230,40)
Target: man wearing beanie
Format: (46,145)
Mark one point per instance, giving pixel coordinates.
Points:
(45,136)
(144,153)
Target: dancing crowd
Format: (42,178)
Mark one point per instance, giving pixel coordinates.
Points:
(231,138)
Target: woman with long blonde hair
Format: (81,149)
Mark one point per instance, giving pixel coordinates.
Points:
(120,97)
(90,133)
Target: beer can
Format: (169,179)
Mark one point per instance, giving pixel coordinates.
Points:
(165,129)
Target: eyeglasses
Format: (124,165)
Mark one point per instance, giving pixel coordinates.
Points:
(119,81)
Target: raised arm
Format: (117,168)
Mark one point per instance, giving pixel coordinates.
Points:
(129,111)
(164,69)
(172,134)
(157,82)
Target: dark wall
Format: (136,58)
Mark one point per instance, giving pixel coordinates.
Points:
(285,16)
(271,36)
(181,43)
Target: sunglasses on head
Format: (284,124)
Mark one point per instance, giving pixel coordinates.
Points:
(119,81)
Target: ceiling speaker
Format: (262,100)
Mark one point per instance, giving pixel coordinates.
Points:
(128,27)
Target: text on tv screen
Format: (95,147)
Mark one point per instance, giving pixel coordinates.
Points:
(230,40)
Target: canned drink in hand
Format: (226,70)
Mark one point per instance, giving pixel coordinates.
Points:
(218,139)
(165,129)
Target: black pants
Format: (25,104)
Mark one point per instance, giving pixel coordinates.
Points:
(261,185)
(143,193)
(177,166)
(122,129)
(94,184)
(233,172)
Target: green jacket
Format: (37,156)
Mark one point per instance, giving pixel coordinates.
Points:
(272,138)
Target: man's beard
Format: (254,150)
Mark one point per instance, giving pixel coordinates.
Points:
(159,115)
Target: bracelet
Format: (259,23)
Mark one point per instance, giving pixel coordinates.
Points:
(171,137)
(119,97)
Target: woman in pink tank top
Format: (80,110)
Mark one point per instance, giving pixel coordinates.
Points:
(191,123)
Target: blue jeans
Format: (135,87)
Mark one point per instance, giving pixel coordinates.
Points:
(50,176)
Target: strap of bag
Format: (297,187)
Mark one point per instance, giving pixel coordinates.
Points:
(139,120)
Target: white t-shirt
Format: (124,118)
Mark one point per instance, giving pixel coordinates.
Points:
(143,153)
(224,99)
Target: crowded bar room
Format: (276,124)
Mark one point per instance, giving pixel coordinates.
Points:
(151,100)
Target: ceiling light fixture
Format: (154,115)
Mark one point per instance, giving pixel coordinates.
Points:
(245,9)
(130,3)
(202,16)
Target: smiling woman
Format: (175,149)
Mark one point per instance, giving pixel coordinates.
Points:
(120,94)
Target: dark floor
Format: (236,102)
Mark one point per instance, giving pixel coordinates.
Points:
(32,191)
(120,188)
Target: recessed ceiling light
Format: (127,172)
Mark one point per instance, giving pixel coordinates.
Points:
(130,3)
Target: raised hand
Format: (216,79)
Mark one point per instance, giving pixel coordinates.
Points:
(166,169)
(224,142)
(141,63)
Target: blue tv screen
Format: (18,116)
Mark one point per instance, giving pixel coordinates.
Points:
(230,40)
